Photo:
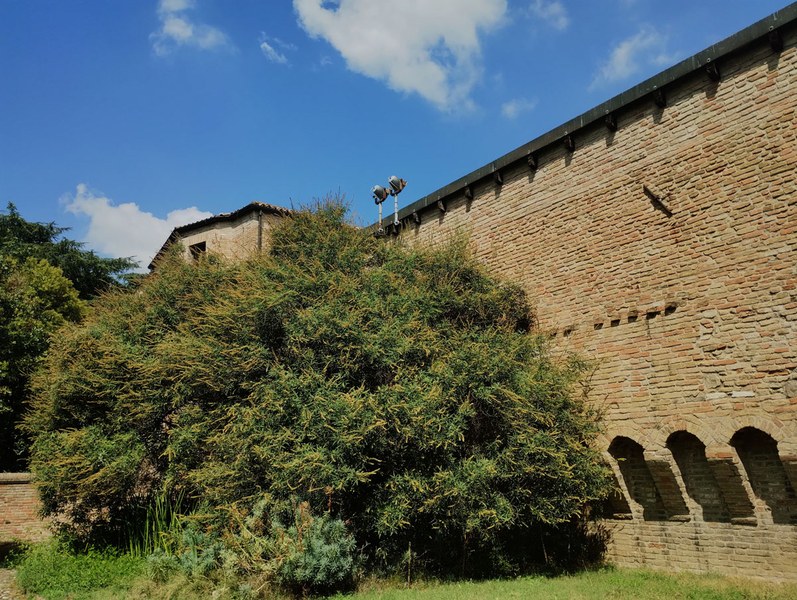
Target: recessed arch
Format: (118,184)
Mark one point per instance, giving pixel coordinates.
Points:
(758,452)
(639,482)
(689,454)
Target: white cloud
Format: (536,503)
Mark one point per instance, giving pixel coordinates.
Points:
(513,108)
(124,229)
(648,47)
(175,5)
(551,11)
(416,46)
(178,29)
(273,55)
(267,46)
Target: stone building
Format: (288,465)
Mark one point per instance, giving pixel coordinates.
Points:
(657,233)
(235,234)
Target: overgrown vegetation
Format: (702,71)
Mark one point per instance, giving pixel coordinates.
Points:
(44,279)
(617,584)
(396,400)
(35,300)
(90,274)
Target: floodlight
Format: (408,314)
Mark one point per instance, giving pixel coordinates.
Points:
(396,185)
(380,194)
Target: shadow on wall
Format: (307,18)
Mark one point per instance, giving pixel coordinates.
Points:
(759,455)
(716,488)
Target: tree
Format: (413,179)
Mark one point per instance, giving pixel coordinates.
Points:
(89,273)
(402,391)
(35,300)
(42,275)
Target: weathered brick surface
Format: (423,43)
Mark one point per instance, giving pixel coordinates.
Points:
(691,316)
(766,552)
(236,238)
(19,506)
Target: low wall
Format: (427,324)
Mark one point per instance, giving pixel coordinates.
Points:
(19,509)
(761,552)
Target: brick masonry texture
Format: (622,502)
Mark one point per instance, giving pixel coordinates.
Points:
(19,506)
(237,238)
(666,251)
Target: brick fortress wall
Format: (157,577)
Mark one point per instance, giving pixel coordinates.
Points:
(664,245)
(19,506)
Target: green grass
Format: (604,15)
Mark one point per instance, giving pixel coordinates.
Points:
(50,572)
(53,573)
(594,585)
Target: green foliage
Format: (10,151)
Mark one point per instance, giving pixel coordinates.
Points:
(41,277)
(398,390)
(54,572)
(160,530)
(314,554)
(35,300)
(89,273)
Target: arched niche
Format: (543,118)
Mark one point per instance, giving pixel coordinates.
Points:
(636,475)
(758,452)
(689,454)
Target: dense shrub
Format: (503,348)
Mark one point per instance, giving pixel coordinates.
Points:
(399,390)
(313,554)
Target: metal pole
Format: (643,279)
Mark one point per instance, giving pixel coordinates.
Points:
(395,210)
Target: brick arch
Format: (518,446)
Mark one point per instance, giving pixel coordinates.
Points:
(766,472)
(627,457)
(785,434)
(689,453)
(613,431)
(689,423)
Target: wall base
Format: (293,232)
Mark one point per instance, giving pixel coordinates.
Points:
(761,552)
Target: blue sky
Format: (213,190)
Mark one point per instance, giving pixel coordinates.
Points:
(123,119)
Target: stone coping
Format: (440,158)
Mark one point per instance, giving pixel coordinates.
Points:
(16,478)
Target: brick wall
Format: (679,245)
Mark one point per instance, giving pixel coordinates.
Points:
(19,505)
(233,238)
(667,250)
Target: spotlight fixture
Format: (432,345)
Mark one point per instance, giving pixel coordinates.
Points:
(380,194)
(396,185)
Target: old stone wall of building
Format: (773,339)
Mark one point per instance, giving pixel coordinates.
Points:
(234,238)
(664,246)
(19,509)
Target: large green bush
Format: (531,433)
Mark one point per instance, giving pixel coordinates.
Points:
(35,300)
(402,391)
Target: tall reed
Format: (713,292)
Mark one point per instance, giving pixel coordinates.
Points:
(161,529)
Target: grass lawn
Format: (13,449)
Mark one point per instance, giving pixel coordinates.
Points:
(49,572)
(52,573)
(603,584)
